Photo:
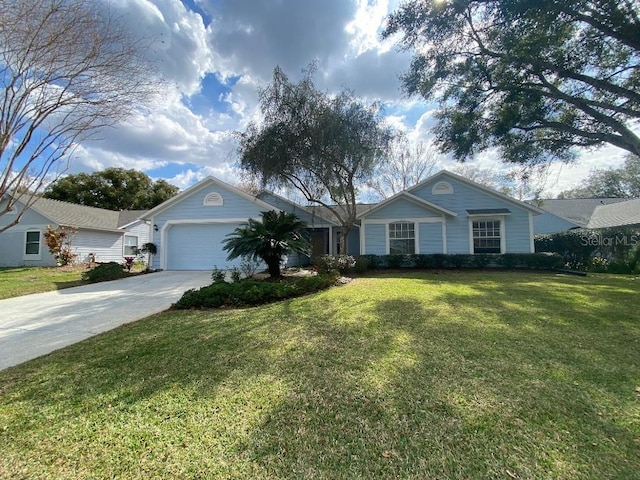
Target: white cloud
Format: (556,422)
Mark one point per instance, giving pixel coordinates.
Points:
(241,45)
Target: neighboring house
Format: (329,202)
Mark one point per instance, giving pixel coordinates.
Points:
(102,234)
(443,214)
(569,213)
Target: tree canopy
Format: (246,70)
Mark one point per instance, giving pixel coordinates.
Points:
(324,146)
(67,69)
(534,78)
(113,189)
(623,182)
(277,235)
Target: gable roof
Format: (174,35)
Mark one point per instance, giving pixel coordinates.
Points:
(577,210)
(81,216)
(470,183)
(205,182)
(413,199)
(311,210)
(616,214)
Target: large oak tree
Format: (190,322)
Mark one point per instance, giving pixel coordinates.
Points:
(113,189)
(68,68)
(534,78)
(322,145)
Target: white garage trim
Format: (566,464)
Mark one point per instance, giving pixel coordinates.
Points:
(207,221)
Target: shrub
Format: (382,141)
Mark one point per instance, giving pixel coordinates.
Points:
(251,292)
(104,272)
(249,266)
(329,263)
(217,275)
(236,275)
(362,264)
(438,260)
(394,261)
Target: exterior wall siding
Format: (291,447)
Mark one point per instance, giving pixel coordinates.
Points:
(106,246)
(375,238)
(12,241)
(234,211)
(430,237)
(401,209)
(548,223)
(466,197)
(517,235)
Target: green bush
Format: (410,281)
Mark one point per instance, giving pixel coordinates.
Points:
(104,272)
(329,263)
(217,275)
(251,292)
(534,261)
(362,264)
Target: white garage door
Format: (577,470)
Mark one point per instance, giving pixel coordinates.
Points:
(198,247)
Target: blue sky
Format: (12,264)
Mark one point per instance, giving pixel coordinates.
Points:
(215,54)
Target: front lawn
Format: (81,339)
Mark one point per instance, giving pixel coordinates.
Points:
(26,280)
(412,375)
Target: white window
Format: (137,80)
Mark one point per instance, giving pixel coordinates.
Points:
(130,246)
(32,244)
(486,236)
(402,238)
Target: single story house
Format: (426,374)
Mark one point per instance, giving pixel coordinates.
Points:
(445,213)
(104,235)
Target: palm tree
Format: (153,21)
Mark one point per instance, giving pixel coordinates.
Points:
(277,235)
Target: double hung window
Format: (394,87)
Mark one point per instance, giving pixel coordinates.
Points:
(402,238)
(486,236)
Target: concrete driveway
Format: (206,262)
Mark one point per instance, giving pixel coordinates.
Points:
(34,325)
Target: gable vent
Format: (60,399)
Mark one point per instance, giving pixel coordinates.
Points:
(442,188)
(213,199)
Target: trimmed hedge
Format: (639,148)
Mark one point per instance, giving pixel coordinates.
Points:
(530,261)
(248,292)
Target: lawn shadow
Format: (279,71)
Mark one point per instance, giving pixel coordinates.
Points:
(434,381)
(414,392)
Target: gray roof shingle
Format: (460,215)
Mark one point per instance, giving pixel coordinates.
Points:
(80,216)
(616,214)
(576,210)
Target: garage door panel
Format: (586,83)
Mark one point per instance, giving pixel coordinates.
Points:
(198,247)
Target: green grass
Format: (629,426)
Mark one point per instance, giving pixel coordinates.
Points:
(26,280)
(417,375)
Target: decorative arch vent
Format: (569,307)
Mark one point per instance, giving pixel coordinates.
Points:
(442,188)
(213,199)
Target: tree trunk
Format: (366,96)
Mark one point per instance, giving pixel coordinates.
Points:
(273,266)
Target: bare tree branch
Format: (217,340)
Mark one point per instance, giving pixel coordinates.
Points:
(68,68)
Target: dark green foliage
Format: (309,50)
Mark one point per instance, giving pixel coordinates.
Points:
(536,79)
(571,246)
(104,272)
(149,248)
(251,292)
(613,250)
(113,189)
(394,261)
(325,146)
(362,264)
(277,235)
(218,275)
(531,261)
